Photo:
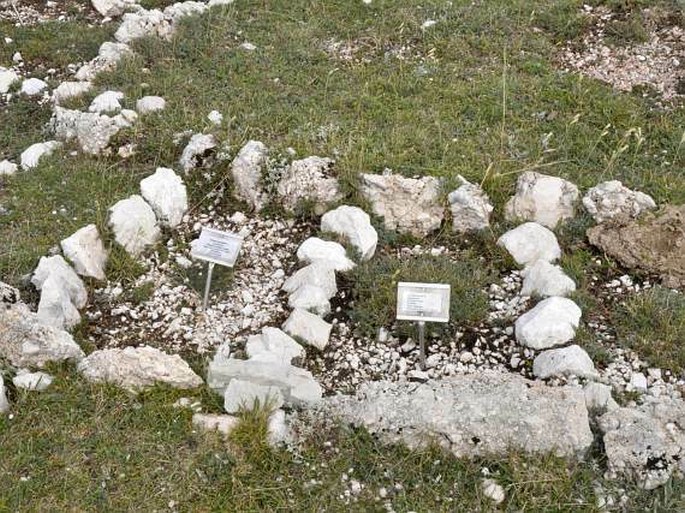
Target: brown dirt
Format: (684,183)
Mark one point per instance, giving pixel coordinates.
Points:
(655,244)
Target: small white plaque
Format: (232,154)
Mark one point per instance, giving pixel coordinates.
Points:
(217,247)
(427,302)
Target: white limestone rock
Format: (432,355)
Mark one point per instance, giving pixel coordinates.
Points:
(309,180)
(166,194)
(317,274)
(274,344)
(55,307)
(134,224)
(246,170)
(471,208)
(34,381)
(93,131)
(598,398)
(311,298)
(32,155)
(544,280)
(107,102)
(638,382)
(215,118)
(197,150)
(142,23)
(308,328)
(484,414)
(407,205)
(8,168)
(67,279)
(148,104)
(137,368)
(108,57)
(84,248)
(544,199)
(224,424)
(550,323)
(112,8)
(245,394)
(277,430)
(4,403)
(355,225)
(68,90)
(33,87)
(529,243)
(332,254)
(492,490)
(179,10)
(7,79)
(565,361)
(612,200)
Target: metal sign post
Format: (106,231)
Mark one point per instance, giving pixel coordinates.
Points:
(215,247)
(421,303)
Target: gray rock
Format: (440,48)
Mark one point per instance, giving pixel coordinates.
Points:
(317,274)
(546,200)
(84,248)
(309,180)
(471,208)
(134,224)
(245,394)
(27,380)
(484,414)
(224,424)
(246,169)
(544,280)
(309,328)
(355,225)
(107,59)
(275,344)
(68,90)
(407,205)
(138,368)
(646,443)
(32,155)
(529,243)
(598,398)
(566,361)
(166,194)
(196,151)
(550,323)
(332,254)
(612,200)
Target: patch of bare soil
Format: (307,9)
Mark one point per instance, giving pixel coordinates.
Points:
(654,243)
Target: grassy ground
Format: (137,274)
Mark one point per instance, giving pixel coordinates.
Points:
(477,94)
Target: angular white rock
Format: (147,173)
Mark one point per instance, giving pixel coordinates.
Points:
(408,205)
(309,180)
(544,279)
(327,253)
(7,78)
(92,130)
(471,208)
(166,194)
(134,224)
(224,424)
(67,279)
(197,149)
(246,170)
(37,381)
(4,403)
(529,243)
(316,274)
(107,59)
(84,248)
(68,90)
(309,328)
(354,224)
(492,490)
(7,168)
(148,104)
(111,8)
(311,298)
(245,394)
(142,23)
(32,155)
(598,398)
(275,344)
(612,200)
(544,199)
(277,430)
(552,322)
(55,307)
(638,382)
(107,102)
(565,361)
(33,86)
(138,368)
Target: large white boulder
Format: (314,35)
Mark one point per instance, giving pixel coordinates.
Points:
(544,279)
(137,368)
(107,102)
(148,104)
(245,394)
(311,298)
(84,248)
(58,268)
(529,243)
(407,205)
(550,323)
(32,155)
(33,87)
(7,168)
(273,343)
(332,254)
(546,200)
(27,380)
(68,90)
(318,274)
(246,169)
(355,225)
(134,224)
(309,328)
(7,78)
(112,8)
(108,57)
(565,361)
(166,194)
(196,151)
(612,200)
(309,180)
(471,208)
